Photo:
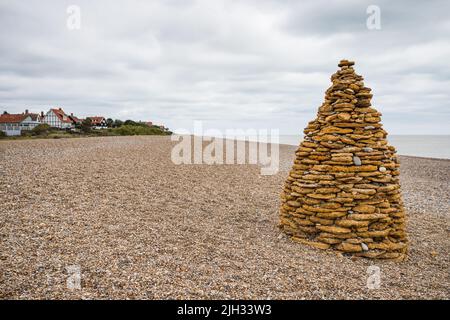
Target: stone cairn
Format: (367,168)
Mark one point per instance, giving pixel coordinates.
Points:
(343,191)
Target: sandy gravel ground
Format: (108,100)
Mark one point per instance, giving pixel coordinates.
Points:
(139,226)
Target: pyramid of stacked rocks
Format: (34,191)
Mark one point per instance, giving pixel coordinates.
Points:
(343,191)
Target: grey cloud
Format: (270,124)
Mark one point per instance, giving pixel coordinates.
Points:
(254,63)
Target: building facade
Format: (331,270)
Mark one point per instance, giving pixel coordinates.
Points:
(57,118)
(98,122)
(75,120)
(14,124)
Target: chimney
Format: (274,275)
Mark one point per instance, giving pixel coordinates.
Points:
(26,111)
(42,114)
(71,114)
(59,109)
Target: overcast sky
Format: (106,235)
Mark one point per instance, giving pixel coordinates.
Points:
(233,64)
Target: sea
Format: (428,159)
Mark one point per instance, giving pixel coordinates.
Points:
(429,146)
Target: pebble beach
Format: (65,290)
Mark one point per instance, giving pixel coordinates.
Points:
(138,226)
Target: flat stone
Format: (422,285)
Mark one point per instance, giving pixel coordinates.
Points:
(368,216)
(294,204)
(346,63)
(344,116)
(346,223)
(335,130)
(364,208)
(349,247)
(352,168)
(327,190)
(331,215)
(321,196)
(333,230)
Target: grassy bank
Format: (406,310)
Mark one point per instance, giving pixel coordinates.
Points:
(44,132)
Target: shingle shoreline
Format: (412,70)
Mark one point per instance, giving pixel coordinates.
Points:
(139,226)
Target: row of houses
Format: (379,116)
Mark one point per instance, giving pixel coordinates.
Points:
(13,124)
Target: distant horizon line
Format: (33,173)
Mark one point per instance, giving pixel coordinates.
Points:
(389,134)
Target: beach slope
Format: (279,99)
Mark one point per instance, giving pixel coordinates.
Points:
(137,226)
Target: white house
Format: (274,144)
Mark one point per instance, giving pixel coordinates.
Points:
(13,124)
(57,118)
(98,122)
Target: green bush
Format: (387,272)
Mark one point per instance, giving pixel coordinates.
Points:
(134,123)
(135,130)
(109,122)
(117,123)
(2,134)
(86,125)
(41,129)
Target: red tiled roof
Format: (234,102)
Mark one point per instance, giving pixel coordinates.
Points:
(34,116)
(96,120)
(12,118)
(75,119)
(60,114)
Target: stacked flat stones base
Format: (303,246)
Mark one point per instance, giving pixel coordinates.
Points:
(343,191)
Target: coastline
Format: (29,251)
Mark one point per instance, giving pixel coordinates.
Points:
(400,155)
(300,139)
(100,136)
